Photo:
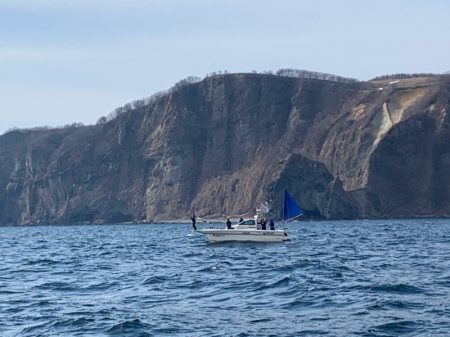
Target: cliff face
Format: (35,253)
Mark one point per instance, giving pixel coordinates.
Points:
(221,146)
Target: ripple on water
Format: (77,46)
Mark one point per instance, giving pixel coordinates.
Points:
(130,328)
(281,282)
(397,288)
(156,279)
(397,327)
(56,286)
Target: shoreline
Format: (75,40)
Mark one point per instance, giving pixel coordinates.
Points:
(97,223)
(206,221)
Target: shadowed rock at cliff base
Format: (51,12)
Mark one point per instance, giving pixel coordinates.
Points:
(222,145)
(317,191)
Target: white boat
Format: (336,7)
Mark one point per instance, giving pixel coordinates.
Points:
(248,235)
(244,231)
(250,231)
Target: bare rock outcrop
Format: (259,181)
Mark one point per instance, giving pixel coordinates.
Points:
(222,145)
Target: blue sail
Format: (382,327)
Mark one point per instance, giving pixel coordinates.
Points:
(290,209)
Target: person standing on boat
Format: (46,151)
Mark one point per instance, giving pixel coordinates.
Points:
(194,220)
(272,225)
(229,223)
(263,224)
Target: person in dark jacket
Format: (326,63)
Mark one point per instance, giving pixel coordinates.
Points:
(272,225)
(263,224)
(194,220)
(229,223)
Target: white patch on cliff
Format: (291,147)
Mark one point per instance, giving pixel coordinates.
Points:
(385,125)
(382,123)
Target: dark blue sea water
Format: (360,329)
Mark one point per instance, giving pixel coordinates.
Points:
(357,278)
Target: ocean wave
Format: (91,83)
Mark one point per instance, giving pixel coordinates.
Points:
(397,327)
(281,282)
(57,286)
(400,288)
(156,279)
(134,327)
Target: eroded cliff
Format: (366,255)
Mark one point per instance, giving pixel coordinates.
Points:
(220,146)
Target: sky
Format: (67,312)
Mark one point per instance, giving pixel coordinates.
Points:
(66,61)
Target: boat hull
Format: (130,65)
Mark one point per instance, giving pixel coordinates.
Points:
(247,235)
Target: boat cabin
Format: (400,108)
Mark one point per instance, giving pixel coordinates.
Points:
(250,223)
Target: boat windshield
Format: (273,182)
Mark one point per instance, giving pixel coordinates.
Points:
(247,223)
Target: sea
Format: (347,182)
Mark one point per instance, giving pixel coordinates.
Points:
(333,278)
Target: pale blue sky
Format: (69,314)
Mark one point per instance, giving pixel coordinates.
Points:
(64,61)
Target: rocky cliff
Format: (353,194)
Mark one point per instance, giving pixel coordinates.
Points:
(221,146)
